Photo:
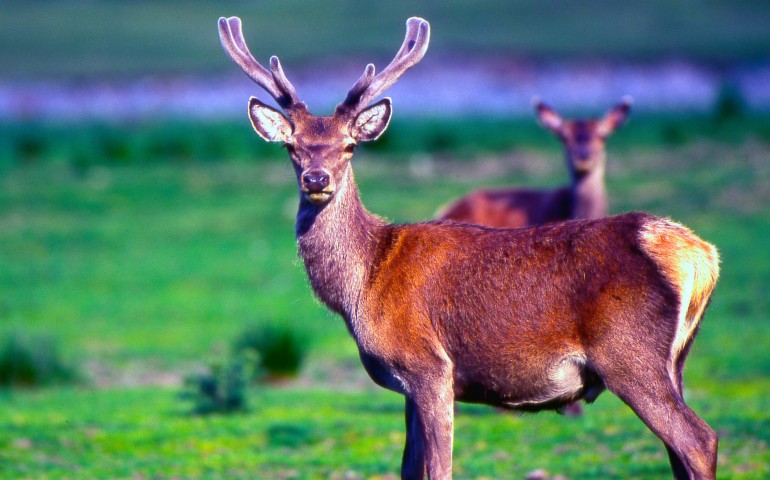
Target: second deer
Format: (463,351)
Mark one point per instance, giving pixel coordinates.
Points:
(585,197)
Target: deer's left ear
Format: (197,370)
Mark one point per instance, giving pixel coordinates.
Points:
(547,116)
(373,121)
(615,117)
(268,122)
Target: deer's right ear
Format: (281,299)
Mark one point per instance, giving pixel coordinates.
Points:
(547,116)
(372,121)
(615,117)
(269,123)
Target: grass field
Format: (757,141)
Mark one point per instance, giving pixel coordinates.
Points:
(142,433)
(81,38)
(145,249)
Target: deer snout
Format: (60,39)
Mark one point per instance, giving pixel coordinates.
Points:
(315,181)
(317,185)
(583,161)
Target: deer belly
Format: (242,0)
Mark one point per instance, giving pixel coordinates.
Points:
(528,387)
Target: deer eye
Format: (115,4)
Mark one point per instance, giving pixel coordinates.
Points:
(350,147)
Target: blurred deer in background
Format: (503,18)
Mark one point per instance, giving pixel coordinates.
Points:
(585,197)
(525,319)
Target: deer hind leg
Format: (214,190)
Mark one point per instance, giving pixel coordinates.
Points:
(656,400)
(686,331)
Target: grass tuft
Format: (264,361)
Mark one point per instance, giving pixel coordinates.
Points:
(221,389)
(32,361)
(280,349)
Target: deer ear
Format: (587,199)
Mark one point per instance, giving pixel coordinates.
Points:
(615,117)
(269,123)
(372,122)
(547,116)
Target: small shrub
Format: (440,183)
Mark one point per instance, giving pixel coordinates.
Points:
(220,389)
(30,148)
(290,435)
(730,104)
(175,145)
(32,361)
(673,134)
(281,350)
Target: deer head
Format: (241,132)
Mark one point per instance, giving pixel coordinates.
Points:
(321,147)
(584,140)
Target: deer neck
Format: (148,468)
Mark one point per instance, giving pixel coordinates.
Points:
(337,242)
(589,197)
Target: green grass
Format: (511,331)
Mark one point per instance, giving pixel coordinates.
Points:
(82,146)
(145,262)
(158,256)
(125,434)
(117,38)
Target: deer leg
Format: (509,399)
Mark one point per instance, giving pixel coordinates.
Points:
(434,406)
(413,461)
(690,442)
(677,465)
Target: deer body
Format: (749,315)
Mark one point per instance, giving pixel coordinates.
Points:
(585,196)
(525,319)
(416,289)
(501,208)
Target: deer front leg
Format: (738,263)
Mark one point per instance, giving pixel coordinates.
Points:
(413,461)
(434,408)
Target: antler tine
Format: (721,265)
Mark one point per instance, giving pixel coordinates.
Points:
(289,94)
(411,52)
(275,83)
(358,89)
(231,36)
(412,28)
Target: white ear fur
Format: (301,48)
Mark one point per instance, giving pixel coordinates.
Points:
(615,117)
(547,116)
(268,122)
(373,121)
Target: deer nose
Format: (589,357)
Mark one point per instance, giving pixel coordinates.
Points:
(315,181)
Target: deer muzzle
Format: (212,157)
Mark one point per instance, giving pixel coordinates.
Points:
(317,185)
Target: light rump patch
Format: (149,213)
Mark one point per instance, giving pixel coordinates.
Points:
(691,266)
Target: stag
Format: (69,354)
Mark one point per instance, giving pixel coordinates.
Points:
(526,319)
(584,142)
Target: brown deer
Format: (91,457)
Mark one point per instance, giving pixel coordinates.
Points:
(585,151)
(586,197)
(527,319)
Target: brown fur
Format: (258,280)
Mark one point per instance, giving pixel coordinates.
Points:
(584,144)
(525,319)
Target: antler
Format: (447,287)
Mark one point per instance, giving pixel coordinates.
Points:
(273,81)
(369,86)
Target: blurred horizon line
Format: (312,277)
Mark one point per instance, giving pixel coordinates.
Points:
(492,86)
